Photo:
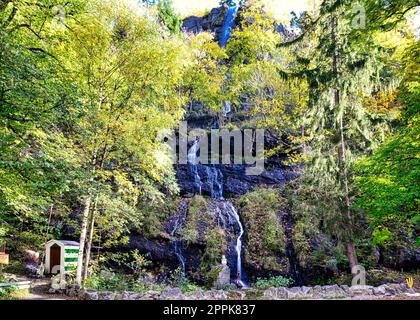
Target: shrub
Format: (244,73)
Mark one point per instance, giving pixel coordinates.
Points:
(109,281)
(154,214)
(215,248)
(273,282)
(198,211)
(265,236)
(13,292)
(178,279)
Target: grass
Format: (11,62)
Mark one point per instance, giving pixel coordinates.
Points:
(12,292)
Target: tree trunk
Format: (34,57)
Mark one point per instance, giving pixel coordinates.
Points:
(48,225)
(82,240)
(351,255)
(90,239)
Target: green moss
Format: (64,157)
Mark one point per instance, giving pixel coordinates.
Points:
(266,240)
(155,214)
(301,243)
(215,248)
(211,276)
(198,214)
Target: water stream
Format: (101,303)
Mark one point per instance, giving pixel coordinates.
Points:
(228,23)
(228,217)
(230,209)
(193,165)
(177,245)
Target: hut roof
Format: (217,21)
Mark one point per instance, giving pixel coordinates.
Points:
(69,243)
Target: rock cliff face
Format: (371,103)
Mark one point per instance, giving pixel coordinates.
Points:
(211,22)
(214,20)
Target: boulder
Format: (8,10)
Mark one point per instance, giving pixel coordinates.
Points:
(333,292)
(361,290)
(170,293)
(151,295)
(236,295)
(91,295)
(196,295)
(127,295)
(345,288)
(73,290)
(106,295)
(395,288)
(380,291)
(215,295)
(275,294)
(294,293)
(306,292)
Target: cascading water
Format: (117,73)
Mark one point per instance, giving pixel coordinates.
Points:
(211,177)
(229,220)
(228,217)
(231,211)
(233,8)
(226,108)
(192,164)
(176,242)
(215,182)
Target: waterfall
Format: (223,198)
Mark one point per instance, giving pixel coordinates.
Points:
(215,182)
(211,177)
(230,209)
(176,243)
(192,164)
(228,219)
(226,108)
(228,23)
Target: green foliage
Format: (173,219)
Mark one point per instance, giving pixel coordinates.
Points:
(211,276)
(179,280)
(154,214)
(266,241)
(205,75)
(169,17)
(316,216)
(388,180)
(273,282)
(106,280)
(80,116)
(255,64)
(198,213)
(345,67)
(109,281)
(11,292)
(82,100)
(216,247)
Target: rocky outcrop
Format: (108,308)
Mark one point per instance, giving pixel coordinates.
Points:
(161,251)
(214,20)
(211,22)
(294,293)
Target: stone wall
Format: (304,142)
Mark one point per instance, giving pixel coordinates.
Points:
(294,293)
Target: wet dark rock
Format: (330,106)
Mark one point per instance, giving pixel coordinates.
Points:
(234,178)
(211,22)
(161,251)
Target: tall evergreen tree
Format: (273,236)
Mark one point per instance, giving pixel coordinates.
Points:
(344,66)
